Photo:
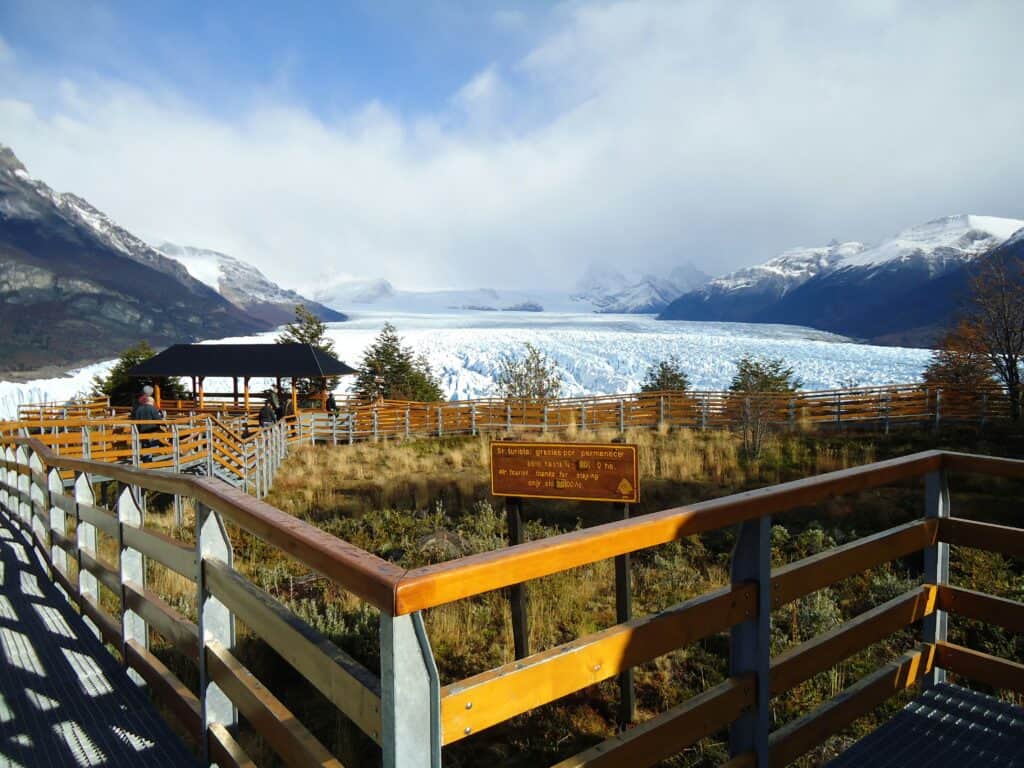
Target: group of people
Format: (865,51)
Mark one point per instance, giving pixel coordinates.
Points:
(272,410)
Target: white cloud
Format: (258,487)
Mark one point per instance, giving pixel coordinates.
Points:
(637,134)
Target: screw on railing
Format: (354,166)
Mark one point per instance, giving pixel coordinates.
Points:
(85,541)
(133,571)
(216,623)
(410,694)
(936,564)
(750,641)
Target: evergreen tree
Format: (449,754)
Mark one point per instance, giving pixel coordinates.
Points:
(392,371)
(763,375)
(534,377)
(123,389)
(666,376)
(309,329)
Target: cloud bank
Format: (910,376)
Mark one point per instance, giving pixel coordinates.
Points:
(637,134)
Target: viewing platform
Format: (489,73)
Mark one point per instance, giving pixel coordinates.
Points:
(84,518)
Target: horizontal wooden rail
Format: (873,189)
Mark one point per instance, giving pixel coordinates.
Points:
(435,585)
(823,652)
(980,667)
(271,719)
(479,702)
(181,633)
(181,702)
(993,538)
(999,611)
(818,571)
(671,731)
(798,737)
(351,687)
(225,751)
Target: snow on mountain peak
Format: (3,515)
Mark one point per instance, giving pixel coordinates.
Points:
(791,267)
(951,239)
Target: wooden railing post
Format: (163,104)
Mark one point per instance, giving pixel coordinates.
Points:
(216,623)
(85,541)
(133,571)
(408,423)
(58,523)
(704,412)
(936,564)
(750,641)
(410,694)
(624,613)
(40,504)
(544,427)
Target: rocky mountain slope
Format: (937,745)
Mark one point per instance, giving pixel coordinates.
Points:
(244,285)
(75,287)
(904,290)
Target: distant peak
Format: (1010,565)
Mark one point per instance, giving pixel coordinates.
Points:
(9,161)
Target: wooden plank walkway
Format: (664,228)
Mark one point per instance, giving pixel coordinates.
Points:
(64,699)
(947,726)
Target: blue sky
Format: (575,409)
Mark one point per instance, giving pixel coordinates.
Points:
(465,144)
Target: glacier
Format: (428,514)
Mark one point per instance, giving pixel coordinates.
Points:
(598,353)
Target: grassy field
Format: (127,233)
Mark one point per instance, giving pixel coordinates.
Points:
(421,502)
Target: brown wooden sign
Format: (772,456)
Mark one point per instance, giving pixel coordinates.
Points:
(576,471)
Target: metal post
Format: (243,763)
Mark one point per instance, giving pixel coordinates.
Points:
(704,413)
(545,426)
(750,641)
(209,447)
(334,429)
(216,623)
(133,571)
(440,421)
(408,423)
(583,416)
(410,694)
(936,564)
(375,425)
(622,417)
(938,408)
(623,613)
(136,446)
(351,427)
(661,410)
(508,417)
(85,535)
(472,417)
(517,593)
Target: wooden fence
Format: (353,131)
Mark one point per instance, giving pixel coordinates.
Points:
(404,708)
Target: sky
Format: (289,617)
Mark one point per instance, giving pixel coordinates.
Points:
(513,145)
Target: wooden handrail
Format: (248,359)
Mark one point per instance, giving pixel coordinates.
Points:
(434,585)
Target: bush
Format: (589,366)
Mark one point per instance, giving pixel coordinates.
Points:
(754,385)
(534,377)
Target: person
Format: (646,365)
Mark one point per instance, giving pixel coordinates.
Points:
(332,404)
(147,391)
(268,416)
(147,412)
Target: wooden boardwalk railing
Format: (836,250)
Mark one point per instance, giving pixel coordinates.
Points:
(405,709)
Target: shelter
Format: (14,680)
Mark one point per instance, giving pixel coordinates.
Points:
(242,361)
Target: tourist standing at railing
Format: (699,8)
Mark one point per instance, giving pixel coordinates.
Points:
(147,392)
(147,412)
(268,416)
(331,403)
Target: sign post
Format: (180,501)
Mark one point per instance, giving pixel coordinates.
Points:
(601,472)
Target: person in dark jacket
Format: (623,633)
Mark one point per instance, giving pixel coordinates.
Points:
(268,417)
(146,411)
(332,404)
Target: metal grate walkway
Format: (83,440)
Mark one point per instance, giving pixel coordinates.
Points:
(945,727)
(64,699)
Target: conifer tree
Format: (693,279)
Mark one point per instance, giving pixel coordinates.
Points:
(393,371)
(309,329)
(666,376)
(122,389)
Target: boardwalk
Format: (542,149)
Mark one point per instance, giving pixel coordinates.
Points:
(64,700)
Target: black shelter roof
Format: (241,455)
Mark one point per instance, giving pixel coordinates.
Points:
(242,360)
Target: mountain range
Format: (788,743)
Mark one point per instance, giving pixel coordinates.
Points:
(75,287)
(905,290)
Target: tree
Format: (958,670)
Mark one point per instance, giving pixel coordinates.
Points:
(996,318)
(755,388)
(309,329)
(533,377)
(666,376)
(122,389)
(960,361)
(392,371)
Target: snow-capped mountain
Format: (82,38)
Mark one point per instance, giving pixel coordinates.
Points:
(244,285)
(76,287)
(857,290)
(608,290)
